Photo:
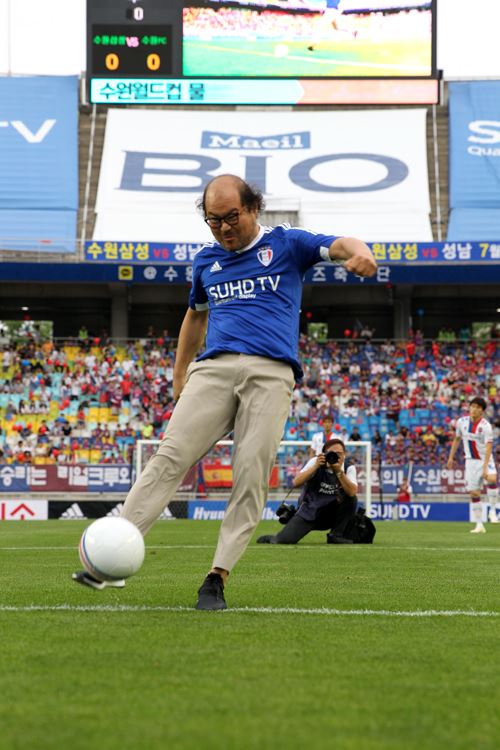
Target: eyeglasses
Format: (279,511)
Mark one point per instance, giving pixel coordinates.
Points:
(215,222)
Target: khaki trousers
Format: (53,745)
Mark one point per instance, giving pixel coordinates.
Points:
(248,395)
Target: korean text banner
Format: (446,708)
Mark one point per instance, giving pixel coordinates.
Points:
(65,478)
(39,142)
(390,253)
(365,160)
(475,144)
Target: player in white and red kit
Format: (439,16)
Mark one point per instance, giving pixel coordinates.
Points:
(320,438)
(476,435)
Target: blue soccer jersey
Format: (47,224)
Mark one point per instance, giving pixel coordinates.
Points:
(254,295)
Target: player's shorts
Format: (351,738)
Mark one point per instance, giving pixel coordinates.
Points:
(474,473)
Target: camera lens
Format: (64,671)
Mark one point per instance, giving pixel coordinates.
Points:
(332,457)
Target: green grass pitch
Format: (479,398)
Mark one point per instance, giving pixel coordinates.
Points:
(238,57)
(390,646)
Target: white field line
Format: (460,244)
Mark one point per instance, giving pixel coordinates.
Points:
(74,547)
(250,610)
(253,547)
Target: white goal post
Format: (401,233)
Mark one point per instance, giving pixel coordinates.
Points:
(213,473)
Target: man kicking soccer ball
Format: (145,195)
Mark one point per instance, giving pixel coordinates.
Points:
(247,289)
(476,434)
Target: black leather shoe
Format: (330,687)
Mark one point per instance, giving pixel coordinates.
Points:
(266,539)
(211,593)
(332,539)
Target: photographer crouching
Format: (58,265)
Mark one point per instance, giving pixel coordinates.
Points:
(327,501)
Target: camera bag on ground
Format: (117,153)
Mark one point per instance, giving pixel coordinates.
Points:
(359,530)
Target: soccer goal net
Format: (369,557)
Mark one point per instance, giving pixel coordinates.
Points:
(211,478)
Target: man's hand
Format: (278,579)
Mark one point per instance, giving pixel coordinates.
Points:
(179,381)
(361,265)
(357,256)
(191,337)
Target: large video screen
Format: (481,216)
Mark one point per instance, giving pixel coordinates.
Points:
(287,4)
(270,52)
(309,38)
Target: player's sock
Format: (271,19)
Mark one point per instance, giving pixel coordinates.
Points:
(477,512)
(492,495)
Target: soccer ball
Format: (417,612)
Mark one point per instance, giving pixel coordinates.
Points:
(281,50)
(111,548)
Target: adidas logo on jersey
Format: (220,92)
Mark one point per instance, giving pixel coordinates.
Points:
(216,266)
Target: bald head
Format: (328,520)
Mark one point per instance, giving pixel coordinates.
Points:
(225,184)
(231,207)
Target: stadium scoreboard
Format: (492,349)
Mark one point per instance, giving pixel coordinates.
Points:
(130,38)
(256,52)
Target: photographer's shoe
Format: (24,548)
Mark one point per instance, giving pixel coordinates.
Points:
(333,539)
(81,576)
(266,539)
(211,593)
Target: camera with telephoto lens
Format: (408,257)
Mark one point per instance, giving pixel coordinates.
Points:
(285,512)
(332,457)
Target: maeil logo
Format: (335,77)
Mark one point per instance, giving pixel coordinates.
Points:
(237,141)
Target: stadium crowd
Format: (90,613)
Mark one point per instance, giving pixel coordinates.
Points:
(205,23)
(89,400)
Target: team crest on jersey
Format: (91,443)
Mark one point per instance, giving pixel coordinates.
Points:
(265,255)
